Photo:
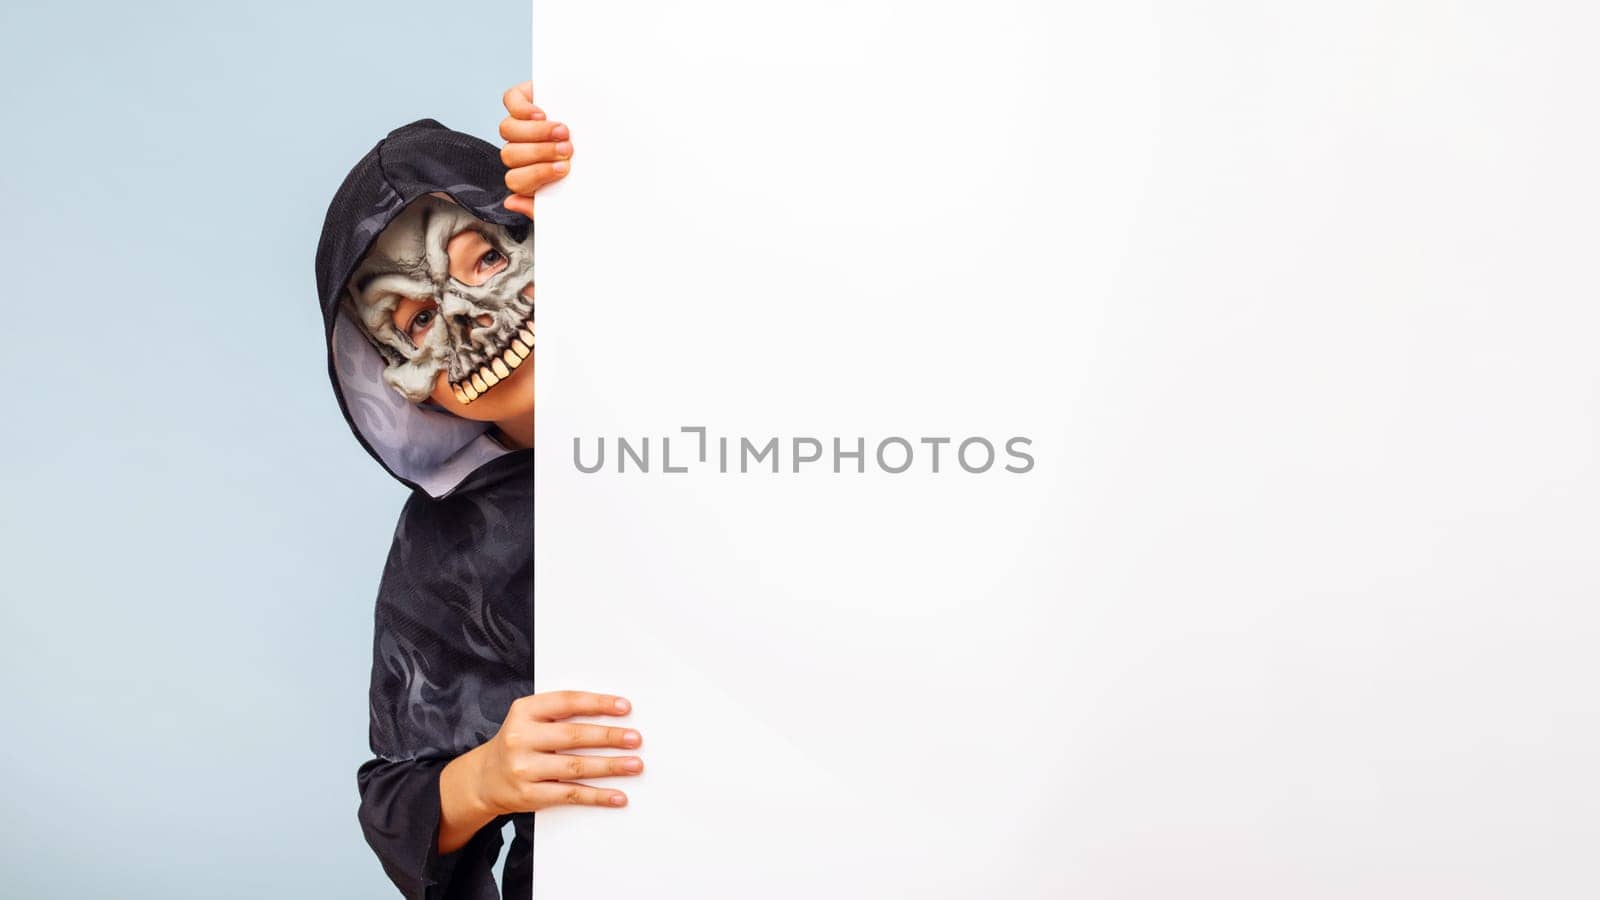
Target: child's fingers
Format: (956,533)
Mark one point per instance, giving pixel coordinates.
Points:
(519,102)
(520,204)
(527,179)
(521,93)
(550,706)
(516,155)
(524,131)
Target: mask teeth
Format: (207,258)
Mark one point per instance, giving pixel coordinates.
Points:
(498,367)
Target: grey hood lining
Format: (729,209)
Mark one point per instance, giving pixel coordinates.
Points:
(432,449)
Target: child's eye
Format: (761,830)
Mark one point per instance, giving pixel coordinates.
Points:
(419,324)
(490,260)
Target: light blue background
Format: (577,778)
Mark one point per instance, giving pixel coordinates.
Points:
(192,539)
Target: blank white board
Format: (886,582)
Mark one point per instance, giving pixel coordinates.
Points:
(1296,304)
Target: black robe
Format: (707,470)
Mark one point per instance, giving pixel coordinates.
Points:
(452,640)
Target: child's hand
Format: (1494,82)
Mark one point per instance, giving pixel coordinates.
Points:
(526,766)
(537,151)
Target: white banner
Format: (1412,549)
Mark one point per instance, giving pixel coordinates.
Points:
(1285,313)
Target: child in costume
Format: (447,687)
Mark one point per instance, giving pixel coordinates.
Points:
(425,276)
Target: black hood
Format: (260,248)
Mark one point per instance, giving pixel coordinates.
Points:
(425,449)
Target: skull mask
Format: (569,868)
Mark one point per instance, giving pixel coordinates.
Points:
(479,333)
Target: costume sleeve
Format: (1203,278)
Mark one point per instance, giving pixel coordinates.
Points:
(412,740)
(440,687)
(400,818)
